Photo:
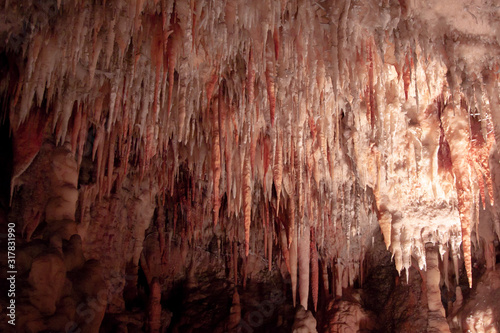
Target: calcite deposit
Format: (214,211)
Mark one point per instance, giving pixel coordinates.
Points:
(162,155)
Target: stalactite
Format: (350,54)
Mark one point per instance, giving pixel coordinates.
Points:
(269,242)
(247,197)
(285,249)
(250,79)
(293,264)
(216,159)
(324,279)
(385,220)
(171,46)
(270,82)
(456,128)
(314,270)
(278,167)
(235,262)
(304,260)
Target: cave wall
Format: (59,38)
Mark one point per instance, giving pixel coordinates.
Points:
(165,140)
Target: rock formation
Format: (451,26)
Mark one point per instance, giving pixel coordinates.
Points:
(159,156)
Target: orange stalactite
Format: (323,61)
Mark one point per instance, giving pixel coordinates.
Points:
(270,74)
(276,39)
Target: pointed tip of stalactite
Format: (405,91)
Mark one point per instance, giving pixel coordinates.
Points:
(468,268)
(215,217)
(385,223)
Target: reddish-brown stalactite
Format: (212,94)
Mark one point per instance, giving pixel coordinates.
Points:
(216,159)
(250,79)
(270,237)
(291,219)
(278,167)
(77,124)
(371,101)
(171,46)
(284,249)
(210,87)
(270,75)
(324,279)
(266,151)
(247,202)
(407,75)
(276,39)
(314,270)
(293,265)
(157,55)
(304,260)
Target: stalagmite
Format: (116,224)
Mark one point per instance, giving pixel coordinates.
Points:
(154,307)
(437,320)
(235,312)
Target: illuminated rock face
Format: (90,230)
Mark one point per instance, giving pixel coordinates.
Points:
(180,138)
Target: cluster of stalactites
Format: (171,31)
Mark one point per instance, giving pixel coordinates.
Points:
(258,101)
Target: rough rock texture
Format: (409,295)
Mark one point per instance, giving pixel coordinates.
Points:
(481,312)
(304,321)
(350,317)
(176,143)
